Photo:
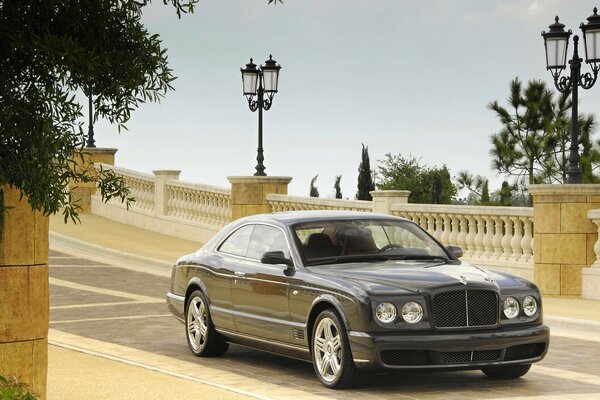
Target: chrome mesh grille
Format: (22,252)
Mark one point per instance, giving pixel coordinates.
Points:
(465,308)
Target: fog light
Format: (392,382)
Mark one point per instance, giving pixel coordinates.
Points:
(510,307)
(412,312)
(530,306)
(386,312)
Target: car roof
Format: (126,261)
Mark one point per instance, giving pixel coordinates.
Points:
(292,217)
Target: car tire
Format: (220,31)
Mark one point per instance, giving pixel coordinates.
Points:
(506,372)
(202,338)
(331,355)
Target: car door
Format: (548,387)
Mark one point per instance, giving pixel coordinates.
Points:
(219,283)
(260,291)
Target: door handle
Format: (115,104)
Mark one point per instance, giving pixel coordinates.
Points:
(239,273)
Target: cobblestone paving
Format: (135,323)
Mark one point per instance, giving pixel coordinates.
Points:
(126,310)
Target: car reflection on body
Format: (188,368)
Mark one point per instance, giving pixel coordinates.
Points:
(352,292)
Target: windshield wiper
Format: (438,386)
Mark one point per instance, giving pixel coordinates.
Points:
(349,259)
(420,257)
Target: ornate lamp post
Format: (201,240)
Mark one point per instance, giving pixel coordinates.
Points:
(89,93)
(258,82)
(556,42)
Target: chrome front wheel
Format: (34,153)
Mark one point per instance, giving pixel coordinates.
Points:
(332,358)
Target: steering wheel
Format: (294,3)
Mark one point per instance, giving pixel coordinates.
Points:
(390,246)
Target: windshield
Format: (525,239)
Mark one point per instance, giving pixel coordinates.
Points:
(325,242)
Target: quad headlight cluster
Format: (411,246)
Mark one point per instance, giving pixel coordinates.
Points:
(412,312)
(511,307)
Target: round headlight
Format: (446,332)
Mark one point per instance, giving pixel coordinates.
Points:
(412,312)
(386,312)
(530,306)
(510,307)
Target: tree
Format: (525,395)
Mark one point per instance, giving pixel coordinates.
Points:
(473,183)
(506,194)
(427,185)
(536,134)
(365,179)
(314,191)
(49,51)
(336,186)
(485,193)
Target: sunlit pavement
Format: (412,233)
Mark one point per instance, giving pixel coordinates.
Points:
(115,312)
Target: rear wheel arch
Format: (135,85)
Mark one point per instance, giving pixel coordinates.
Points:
(193,285)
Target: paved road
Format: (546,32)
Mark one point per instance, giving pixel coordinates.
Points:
(120,313)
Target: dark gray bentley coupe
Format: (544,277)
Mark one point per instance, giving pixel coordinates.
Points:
(354,291)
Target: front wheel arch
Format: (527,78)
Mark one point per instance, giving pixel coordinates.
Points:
(320,304)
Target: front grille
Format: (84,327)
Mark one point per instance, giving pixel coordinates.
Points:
(465,308)
(405,357)
(470,356)
(524,351)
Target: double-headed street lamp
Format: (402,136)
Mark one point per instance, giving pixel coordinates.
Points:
(258,82)
(556,42)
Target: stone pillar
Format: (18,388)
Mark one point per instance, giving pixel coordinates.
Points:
(23,292)
(384,199)
(160,189)
(564,237)
(249,193)
(83,191)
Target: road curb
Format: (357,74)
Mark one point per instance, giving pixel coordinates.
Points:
(573,325)
(63,242)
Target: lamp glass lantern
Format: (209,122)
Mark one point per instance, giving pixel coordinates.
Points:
(250,79)
(556,42)
(270,73)
(591,38)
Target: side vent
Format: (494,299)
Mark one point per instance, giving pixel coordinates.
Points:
(298,334)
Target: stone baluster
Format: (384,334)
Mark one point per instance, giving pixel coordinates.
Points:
(438,221)
(479,237)
(461,238)
(444,220)
(454,227)
(488,247)
(527,241)
(507,239)
(497,238)
(596,263)
(471,247)
(515,242)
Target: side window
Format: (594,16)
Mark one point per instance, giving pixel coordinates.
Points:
(237,242)
(266,238)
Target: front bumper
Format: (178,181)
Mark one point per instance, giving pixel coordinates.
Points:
(456,350)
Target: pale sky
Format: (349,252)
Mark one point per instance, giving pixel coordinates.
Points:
(402,76)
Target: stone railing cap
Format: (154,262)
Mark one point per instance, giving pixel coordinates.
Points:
(259,179)
(564,189)
(390,193)
(99,150)
(167,172)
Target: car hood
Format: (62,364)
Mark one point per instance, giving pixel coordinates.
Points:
(415,276)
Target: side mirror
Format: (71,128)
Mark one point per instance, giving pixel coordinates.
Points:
(276,257)
(456,251)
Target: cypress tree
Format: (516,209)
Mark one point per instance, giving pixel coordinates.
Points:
(365,179)
(336,186)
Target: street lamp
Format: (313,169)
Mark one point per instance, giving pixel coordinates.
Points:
(257,82)
(556,42)
(89,92)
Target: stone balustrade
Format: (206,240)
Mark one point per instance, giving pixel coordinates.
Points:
(202,203)
(281,202)
(167,205)
(498,237)
(140,184)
